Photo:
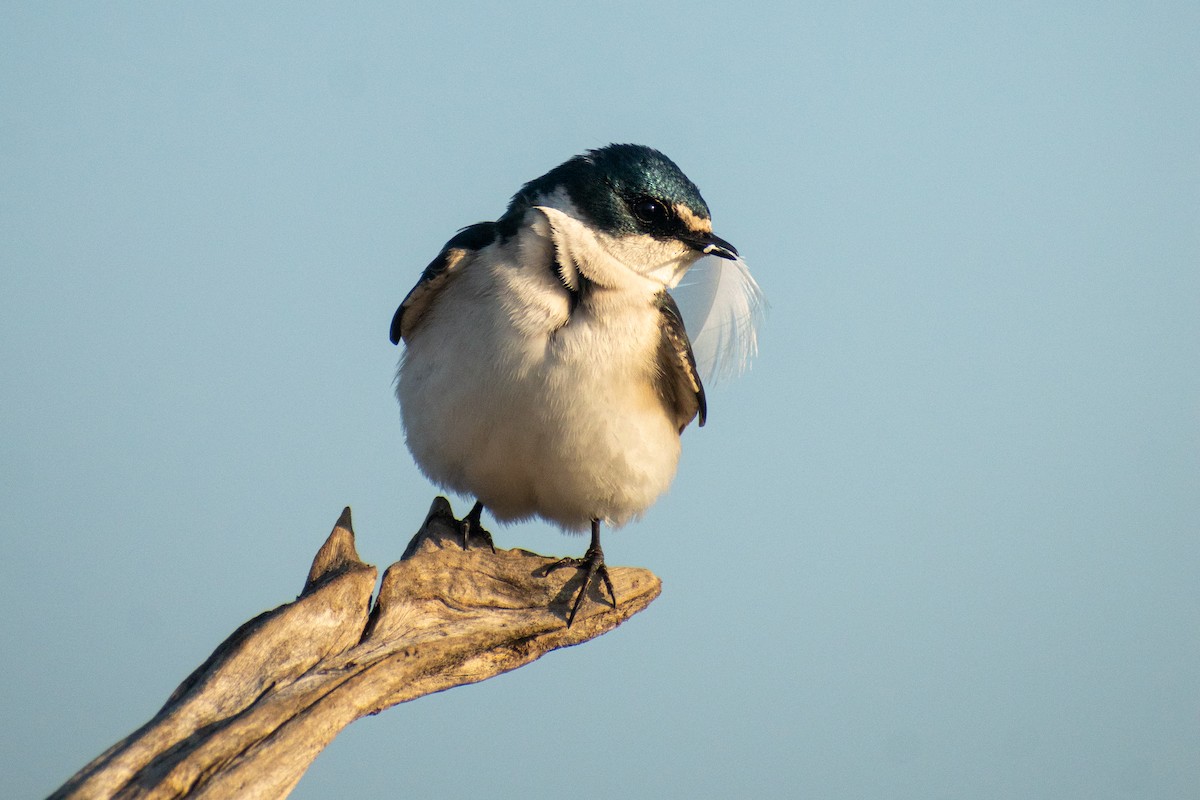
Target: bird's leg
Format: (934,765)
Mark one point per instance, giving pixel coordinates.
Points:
(593,562)
(470,525)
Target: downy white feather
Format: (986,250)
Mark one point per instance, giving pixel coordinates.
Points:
(723,308)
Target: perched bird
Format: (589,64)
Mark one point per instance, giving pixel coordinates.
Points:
(546,369)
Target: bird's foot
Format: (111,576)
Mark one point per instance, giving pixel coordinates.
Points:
(593,564)
(470,525)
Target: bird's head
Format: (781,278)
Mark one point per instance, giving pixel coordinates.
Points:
(625,203)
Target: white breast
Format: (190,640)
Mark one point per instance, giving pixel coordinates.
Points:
(507,398)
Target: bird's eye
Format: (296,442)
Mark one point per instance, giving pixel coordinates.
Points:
(650,211)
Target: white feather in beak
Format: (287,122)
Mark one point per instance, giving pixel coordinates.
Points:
(723,308)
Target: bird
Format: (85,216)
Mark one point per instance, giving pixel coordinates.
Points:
(546,369)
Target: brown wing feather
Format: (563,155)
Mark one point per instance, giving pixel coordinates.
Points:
(445,266)
(678,381)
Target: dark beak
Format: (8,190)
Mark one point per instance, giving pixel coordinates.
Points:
(712,245)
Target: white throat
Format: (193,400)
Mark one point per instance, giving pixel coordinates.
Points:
(634,262)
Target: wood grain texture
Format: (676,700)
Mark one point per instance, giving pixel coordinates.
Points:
(252,717)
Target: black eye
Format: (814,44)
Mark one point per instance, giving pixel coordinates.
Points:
(650,211)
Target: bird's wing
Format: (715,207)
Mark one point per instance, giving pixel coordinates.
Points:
(679,383)
(448,263)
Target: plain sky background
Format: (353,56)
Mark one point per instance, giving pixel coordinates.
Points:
(943,541)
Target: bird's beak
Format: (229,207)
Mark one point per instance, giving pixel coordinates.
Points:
(712,245)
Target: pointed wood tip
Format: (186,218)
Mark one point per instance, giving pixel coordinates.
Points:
(337,555)
(439,530)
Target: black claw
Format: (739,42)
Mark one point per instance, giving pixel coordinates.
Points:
(470,525)
(593,562)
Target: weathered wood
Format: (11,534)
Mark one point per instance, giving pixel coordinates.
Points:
(250,719)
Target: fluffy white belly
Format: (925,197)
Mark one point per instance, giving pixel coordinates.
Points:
(562,423)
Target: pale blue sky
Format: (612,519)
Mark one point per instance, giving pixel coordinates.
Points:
(943,541)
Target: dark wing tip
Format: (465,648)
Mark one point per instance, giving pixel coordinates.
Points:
(469,239)
(394,333)
(681,386)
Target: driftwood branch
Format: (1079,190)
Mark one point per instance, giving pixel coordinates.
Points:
(250,719)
